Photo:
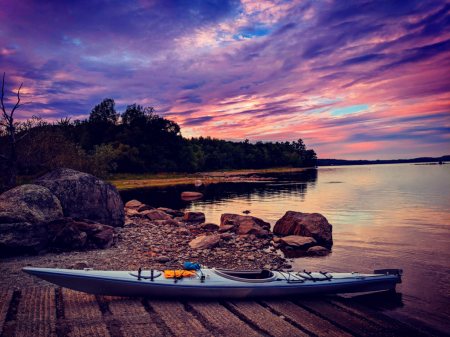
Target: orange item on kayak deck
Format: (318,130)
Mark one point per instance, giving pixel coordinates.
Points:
(179,273)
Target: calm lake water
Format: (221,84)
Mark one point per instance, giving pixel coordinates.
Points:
(383,216)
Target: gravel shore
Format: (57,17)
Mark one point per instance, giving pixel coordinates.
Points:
(149,245)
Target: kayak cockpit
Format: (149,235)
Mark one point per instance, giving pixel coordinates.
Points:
(253,276)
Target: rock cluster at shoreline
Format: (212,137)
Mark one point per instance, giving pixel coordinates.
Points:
(239,242)
(153,238)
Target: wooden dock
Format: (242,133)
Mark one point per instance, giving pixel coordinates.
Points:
(43,311)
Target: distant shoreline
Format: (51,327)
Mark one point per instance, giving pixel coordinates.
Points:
(128,182)
(340,162)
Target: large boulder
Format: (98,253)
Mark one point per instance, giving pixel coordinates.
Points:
(244,224)
(302,242)
(24,212)
(305,224)
(205,242)
(84,196)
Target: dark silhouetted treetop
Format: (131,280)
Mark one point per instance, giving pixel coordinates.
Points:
(135,114)
(104,113)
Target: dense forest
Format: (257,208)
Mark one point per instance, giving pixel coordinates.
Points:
(138,141)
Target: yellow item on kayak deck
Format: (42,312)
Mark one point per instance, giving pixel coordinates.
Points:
(178,273)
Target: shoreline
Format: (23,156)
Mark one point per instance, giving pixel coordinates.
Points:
(213,177)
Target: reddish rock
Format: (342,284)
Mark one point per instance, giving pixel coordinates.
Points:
(103,239)
(191,195)
(305,224)
(162,259)
(204,242)
(184,231)
(171,222)
(225,236)
(302,242)
(171,212)
(194,216)
(156,214)
(210,225)
(101,235)
(144,207)
(245,224)
(131,212)
(318,250)
(263,233)
(68,237)
(80,265)
(226,228)
(133,204)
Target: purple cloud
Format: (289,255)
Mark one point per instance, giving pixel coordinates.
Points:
(229,69)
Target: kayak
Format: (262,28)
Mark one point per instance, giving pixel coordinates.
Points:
(216,282)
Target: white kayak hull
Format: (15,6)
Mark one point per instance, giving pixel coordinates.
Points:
(123,283)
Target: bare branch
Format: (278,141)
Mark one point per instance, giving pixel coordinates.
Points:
(18,101)
(23,104)
(26,134)
(4,157)
(3,94)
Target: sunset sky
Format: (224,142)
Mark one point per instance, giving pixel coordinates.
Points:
(353,79)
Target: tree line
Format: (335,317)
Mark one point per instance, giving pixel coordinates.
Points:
(136,141)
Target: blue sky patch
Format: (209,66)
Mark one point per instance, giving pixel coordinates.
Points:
(251,33)
(349,110)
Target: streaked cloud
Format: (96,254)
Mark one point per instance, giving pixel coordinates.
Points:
(354,79)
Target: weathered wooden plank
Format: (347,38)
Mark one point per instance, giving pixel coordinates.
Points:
(304,318)
(36,315)
(178,320)
(36,330)
(92,330)
(80,306)
(341,318)
(82,314)
(224,321)
(126,309)
(398,328)
(132,317)
(5,300)
(37,305)
(264,319)
(137,329)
